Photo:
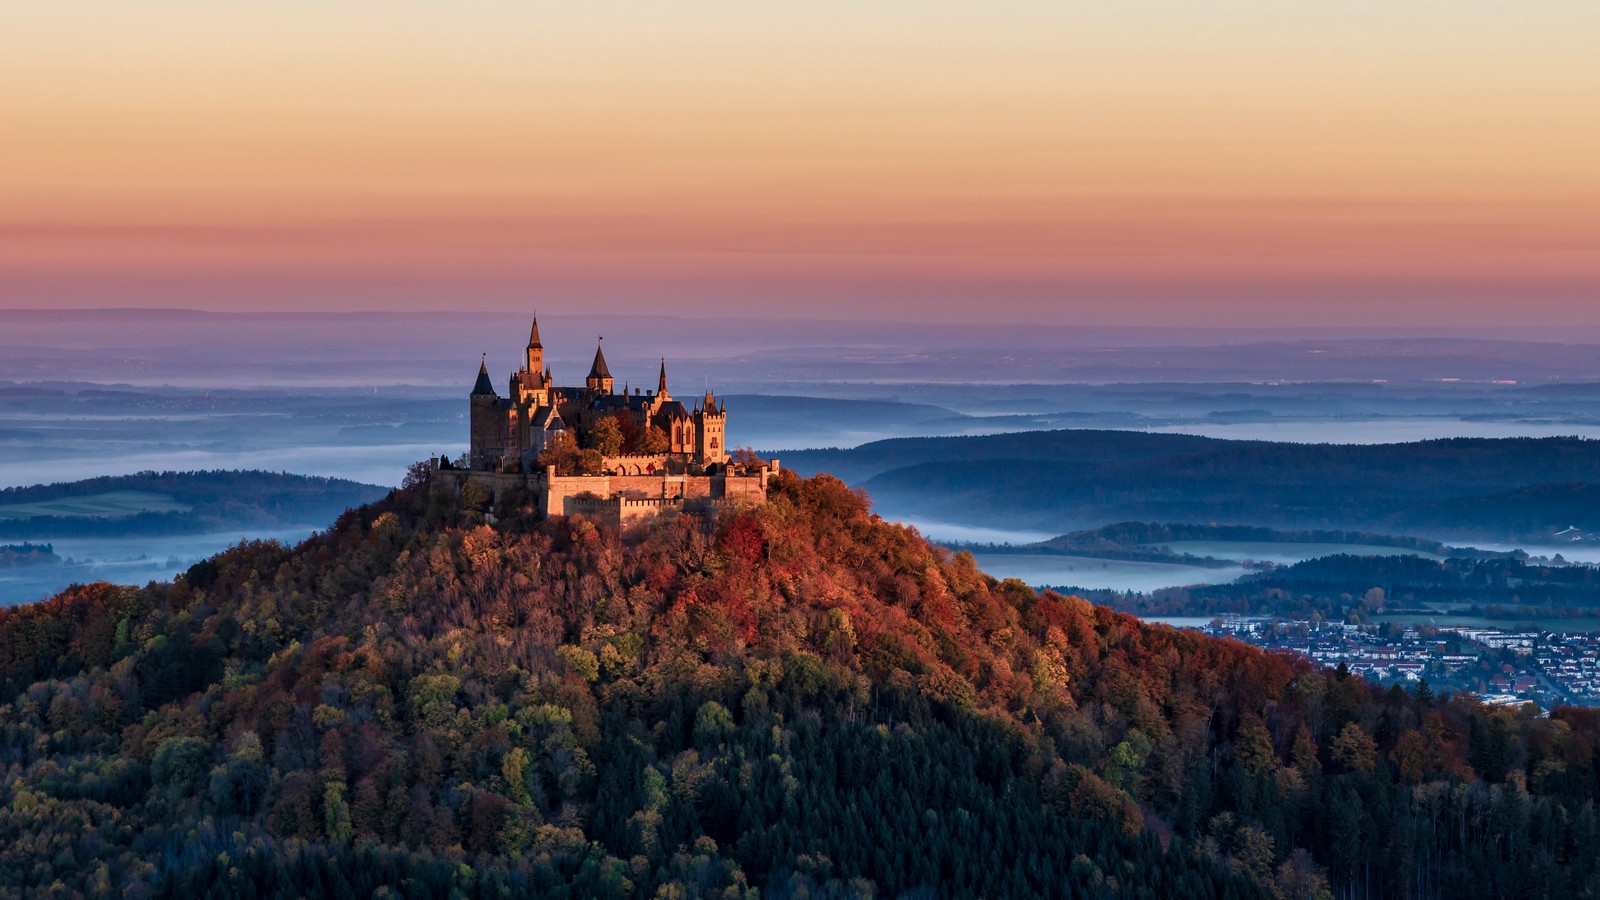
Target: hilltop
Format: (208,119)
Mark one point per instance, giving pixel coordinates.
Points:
(796,699)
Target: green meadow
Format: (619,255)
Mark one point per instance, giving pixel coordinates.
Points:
(1282,551)
(109,505)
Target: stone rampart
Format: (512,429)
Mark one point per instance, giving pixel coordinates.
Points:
(623,498)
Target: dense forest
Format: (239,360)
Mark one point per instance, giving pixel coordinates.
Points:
(15,556)
(217,500)
(795,700)
(1523,489)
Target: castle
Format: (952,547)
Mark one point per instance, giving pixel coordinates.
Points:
(590,450)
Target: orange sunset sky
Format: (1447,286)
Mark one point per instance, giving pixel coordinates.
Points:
(1232,162)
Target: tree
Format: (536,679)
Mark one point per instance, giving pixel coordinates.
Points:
(712,723)
(628,427)
(1253,748)
(605,436)
(653,440)
(474,499)
(419,472)
(1354,749)
(336,810)
(1410,757)
(240,785)
(515,766)
(179,762)
(561,451)
(1425,692)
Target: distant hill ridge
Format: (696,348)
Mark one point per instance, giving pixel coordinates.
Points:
(1453,489)
(179,503)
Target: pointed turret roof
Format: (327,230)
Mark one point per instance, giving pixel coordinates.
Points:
(533,337)
(484,386)
(599,370)
(661,386)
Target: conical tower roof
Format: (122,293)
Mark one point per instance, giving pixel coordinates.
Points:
(599,370)
(484,386)
(661,386)
(533,337)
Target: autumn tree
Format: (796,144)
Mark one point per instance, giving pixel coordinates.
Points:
(628,427)
(605,436)
(561,451)
(653,441)
(1354,749)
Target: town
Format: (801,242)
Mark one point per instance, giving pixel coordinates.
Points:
(1498,666)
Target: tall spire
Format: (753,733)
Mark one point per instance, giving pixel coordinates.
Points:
(484,385)
(599,379)
(599,369)
(533,357)
(661,385)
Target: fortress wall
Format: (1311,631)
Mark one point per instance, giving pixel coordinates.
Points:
(650,466)
(620,510)
(648,485)
(561,487)
(746,487)
(603,511)
(622,497)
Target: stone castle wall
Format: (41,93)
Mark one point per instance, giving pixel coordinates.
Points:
(622,498)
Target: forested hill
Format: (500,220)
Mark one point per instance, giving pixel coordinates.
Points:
(1459,489)
(154,503)
(796,700)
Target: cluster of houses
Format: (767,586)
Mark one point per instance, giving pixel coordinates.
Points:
(1572,661)
(1499,666)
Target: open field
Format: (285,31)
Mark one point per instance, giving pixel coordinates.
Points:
(1092,573)
(1282,551)
(110,505)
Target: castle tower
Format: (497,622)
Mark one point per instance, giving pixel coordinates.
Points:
(487,427)
(534,355)
(711,443)
(599,379)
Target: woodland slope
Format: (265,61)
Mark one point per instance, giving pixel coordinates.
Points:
(797,700)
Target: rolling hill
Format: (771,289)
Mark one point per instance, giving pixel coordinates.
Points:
(1461,489)
(156,503)
(796,700)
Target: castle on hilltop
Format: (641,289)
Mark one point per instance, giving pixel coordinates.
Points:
(594,451)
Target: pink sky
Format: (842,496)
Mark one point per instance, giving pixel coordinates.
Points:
(1162,162)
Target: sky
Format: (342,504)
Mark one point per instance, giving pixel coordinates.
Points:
(1140,162)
